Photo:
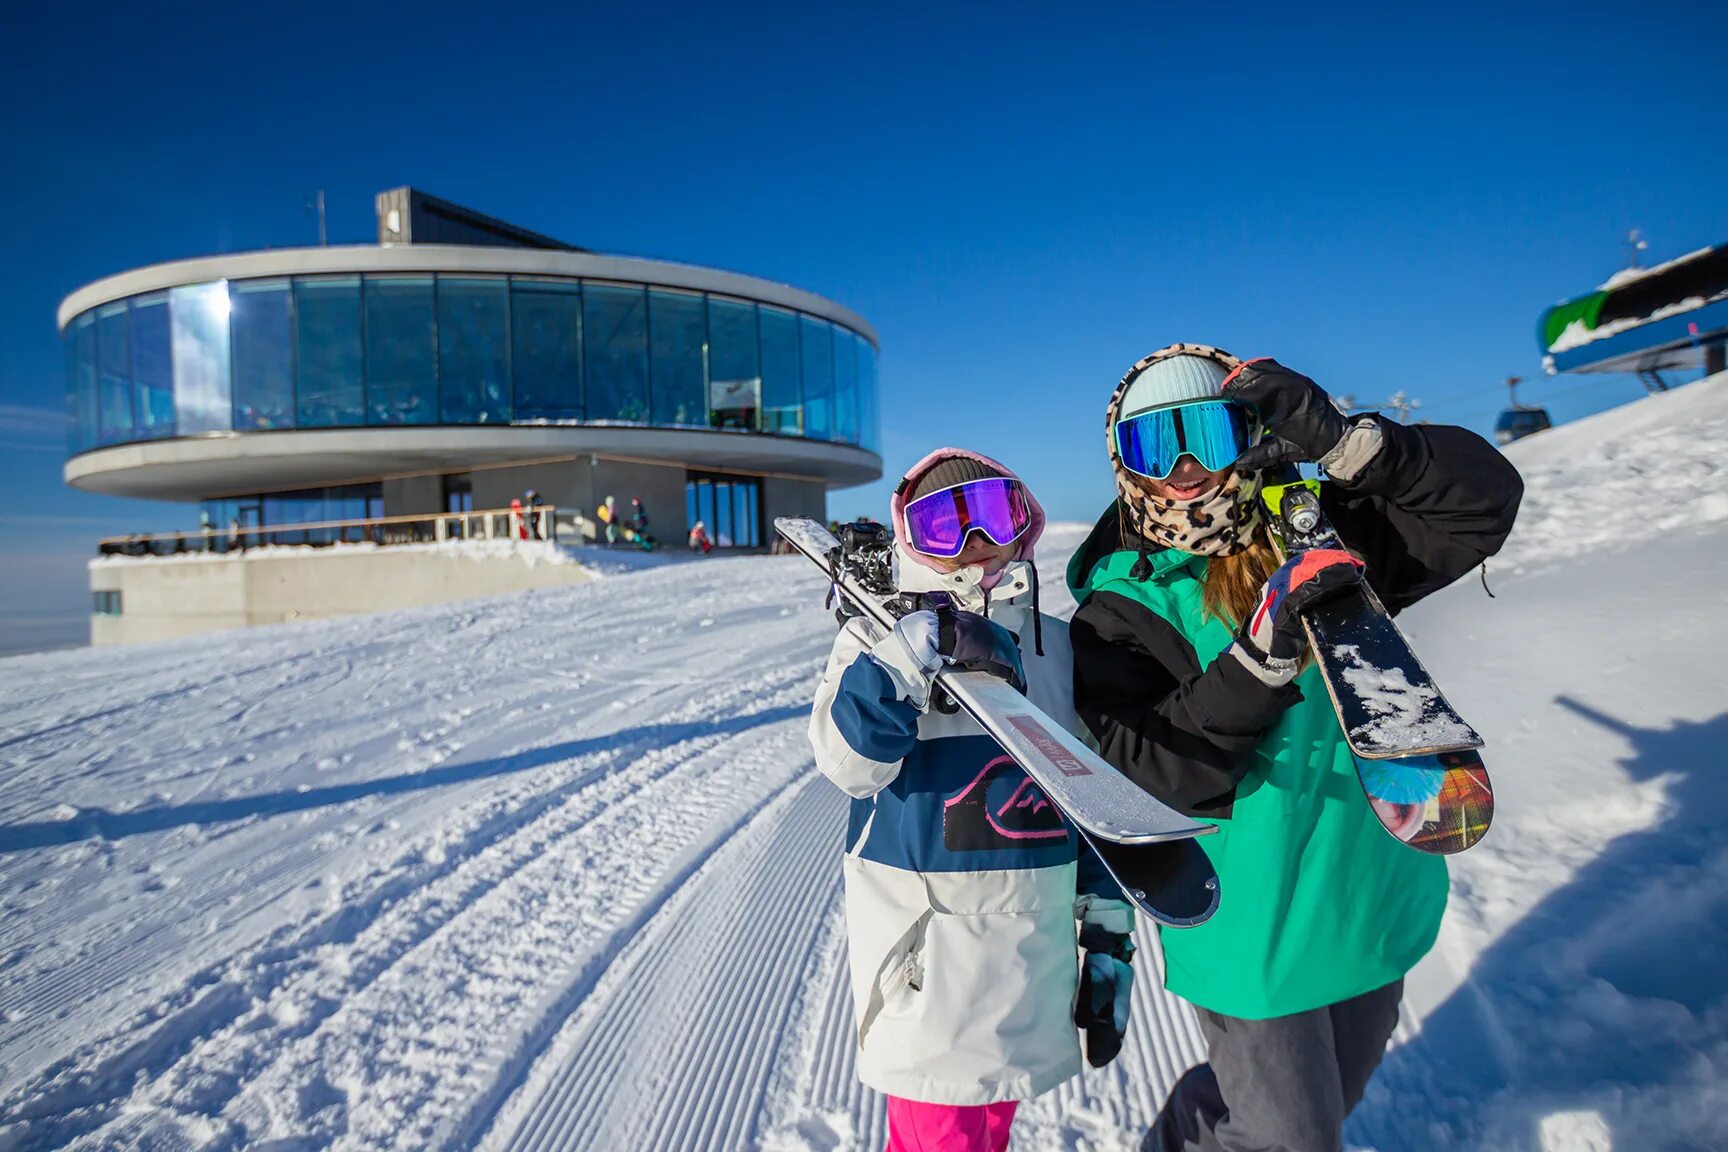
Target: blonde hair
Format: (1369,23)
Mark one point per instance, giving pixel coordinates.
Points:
(1233,583)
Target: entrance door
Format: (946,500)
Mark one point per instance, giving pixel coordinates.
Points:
(730,507)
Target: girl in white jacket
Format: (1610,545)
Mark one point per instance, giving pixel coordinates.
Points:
(963,883)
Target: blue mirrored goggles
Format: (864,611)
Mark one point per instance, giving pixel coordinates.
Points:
(1214,432)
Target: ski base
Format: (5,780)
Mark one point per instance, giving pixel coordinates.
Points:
(1440,804)
(1172,883)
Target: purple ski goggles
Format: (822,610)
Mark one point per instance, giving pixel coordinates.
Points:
(938,524)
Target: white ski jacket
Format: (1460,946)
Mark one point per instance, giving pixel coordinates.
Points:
(963,884)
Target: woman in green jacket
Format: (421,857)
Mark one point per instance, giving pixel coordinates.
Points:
(1190,667)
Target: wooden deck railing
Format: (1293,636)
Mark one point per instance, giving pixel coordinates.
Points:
(536,523)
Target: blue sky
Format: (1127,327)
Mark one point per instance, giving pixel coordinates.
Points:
(1023,199)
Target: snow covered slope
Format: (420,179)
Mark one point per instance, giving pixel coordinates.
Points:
(555,871)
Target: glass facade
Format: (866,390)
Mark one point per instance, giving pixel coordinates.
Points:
(677,345)
(729,508)
(344,351)
(262,335)
(615,352)
(311,506)
(474,351)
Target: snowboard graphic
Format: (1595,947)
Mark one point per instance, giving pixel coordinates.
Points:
(1437,804)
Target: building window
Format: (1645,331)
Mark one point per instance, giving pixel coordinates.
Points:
(845,386)
(113,376)
(153,366)
(729,507)
(459,493)
(401,351)
(329,357)
(678,351)
(615,352)
(474,350)
(869,420)
(107,603)
(198,320)
(734,365)
(546,349)
(263,335)
(782,399)
(817,343)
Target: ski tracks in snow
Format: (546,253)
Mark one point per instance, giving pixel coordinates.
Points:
(374,1006)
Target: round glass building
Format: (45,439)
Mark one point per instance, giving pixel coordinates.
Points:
(333,383)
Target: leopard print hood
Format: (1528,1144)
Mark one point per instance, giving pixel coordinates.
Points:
(1216,523)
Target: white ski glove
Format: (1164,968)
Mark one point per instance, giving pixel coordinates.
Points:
(922,642)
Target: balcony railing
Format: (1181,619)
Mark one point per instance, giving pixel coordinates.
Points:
(537,523)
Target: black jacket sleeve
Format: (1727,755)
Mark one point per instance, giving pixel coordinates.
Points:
(1181,734)
(1435,502)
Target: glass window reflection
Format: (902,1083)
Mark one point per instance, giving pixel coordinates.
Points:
(203,399)
(869,404)
(81,382)
(546,349)
(818,352)
(338,351)
(401,351)
(263,335)
(734,365)
(678,339)
(473,350)
(153,366)
(781,392)
(615,347)
(329,357)
(113,376)
(845,386)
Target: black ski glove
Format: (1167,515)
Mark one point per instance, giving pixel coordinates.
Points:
(1106,979)
(1299,419)
(1271,639)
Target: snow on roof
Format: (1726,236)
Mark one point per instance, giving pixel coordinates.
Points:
(1628,275)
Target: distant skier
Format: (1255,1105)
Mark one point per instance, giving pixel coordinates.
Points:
(1191,668)
(963,884)
(607,514)
(531,506)
(638,527)
(700,541)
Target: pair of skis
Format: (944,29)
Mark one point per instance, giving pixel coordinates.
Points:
(1416,758)
(1146,846)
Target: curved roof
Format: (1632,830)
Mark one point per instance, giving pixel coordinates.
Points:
(361,258)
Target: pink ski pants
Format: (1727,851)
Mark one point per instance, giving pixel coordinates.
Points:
(919,1127)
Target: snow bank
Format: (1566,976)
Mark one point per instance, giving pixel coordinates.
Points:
(530,552)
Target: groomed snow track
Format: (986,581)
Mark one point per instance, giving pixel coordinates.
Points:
(551,872)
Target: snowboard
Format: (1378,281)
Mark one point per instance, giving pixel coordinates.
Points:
(1147,847)
(1387,703)
(1415,758)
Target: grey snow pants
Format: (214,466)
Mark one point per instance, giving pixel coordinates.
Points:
(1281,1085)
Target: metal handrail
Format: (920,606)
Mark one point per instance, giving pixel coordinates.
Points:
(539,522)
